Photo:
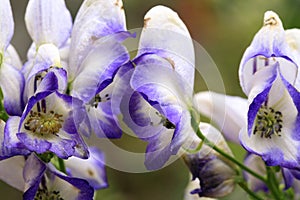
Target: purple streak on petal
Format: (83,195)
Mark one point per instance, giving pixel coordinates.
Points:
(34,143)
(296,99)
(86,191)
(11,145)
(96,74)
(63,148)
(255,106)
(287,177)
(156,156)
(182,131)
(104,125)
(49,83)
(92,169)
(94,20)
(33,172)
(80,148)
(137,112)
(12,84)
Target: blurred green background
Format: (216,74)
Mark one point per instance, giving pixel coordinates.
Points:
(224,28)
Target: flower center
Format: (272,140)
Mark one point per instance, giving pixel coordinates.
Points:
(268,122)
(44,194)
(44,123)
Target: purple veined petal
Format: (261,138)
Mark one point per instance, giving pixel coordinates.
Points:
(33,173)
(262,83)
(159,83)
(11,145)
(95,19)
(12,58)
(281,147)
(48,21)
(51,79)
(44,180)
(48,84)
(258,63)
(63,148)
(11,172)
(269,45)
(141,117)
(166,35)
(158,149)
(104,125)
(167,142)
(12,85)
(104,110)
(6,24)
(228,112)
(255,163)
(91,169)
(47,55)
(99,68)
(73,188)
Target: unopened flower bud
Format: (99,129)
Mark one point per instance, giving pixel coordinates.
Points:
(215,174)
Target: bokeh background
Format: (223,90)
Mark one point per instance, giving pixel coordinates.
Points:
(224,28)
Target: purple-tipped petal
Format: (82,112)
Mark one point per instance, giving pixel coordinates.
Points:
(11,145)
(33,172)
(48,21)
(155,78)
(69,187)
(92,169)
(12,85)
(99,68)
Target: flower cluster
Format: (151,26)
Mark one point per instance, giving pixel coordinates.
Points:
(79,80)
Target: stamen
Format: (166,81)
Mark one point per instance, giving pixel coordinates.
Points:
(98,99)
(43,123)
(165,121)
(44,194)
(268,122)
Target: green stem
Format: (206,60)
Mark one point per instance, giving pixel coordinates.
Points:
(61,165)
(273,184)
(250,192)
(3,114)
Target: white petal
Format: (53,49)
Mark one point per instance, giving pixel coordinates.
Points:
(48,21)
(6,24)
(293,39)
(228,112)
(166,35)
(11,172)
(12,57)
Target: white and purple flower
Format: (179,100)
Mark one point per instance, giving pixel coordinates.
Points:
(158,106)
